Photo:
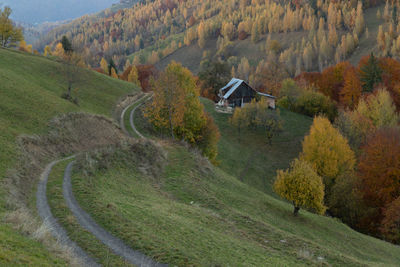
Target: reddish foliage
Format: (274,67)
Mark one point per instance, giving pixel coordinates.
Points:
(352,89)
(308,79)
(379,173)
(145,73)
(390,226)
(391,78)
(191,21)
(332,80)
(242,35)
(99,70)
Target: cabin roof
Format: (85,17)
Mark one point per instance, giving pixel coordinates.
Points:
(233,85)
(267,95)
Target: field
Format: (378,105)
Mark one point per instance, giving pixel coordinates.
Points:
(193,214)
(249,157)
(30,91)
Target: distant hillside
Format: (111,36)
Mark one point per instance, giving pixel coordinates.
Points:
(297,35)
(30,95)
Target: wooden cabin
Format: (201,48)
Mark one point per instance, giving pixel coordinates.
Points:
(237,93)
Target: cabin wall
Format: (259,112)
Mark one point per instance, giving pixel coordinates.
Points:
(243,94)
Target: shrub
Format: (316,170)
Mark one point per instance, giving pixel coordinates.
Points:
(314,104)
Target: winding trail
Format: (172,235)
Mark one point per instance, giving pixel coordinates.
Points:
(85,220)
(48,219)
(132,125)
(115,244)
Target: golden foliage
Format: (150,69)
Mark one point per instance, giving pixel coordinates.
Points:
(302,186)
(176,108)
(133,76)
(327,151)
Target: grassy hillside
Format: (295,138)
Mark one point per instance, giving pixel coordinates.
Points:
(250,158)
(30,91)
(193,214)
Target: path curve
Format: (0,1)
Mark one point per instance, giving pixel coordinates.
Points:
(114,243)
(132,124)
(122,117)
(45,213)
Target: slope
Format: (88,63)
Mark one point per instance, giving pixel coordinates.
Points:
(30,91)
(249,157)
(173,205)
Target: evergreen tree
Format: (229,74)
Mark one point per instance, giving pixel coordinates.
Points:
(370,74)
(112,66)
(66,44)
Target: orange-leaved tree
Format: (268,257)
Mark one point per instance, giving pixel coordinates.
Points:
(352,89)
(302,186)
(327,151)
(390,226)
(379,173)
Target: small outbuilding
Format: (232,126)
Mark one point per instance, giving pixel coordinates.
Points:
(237,93)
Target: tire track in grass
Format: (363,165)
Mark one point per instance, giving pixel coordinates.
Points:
(48,219)
(114,243)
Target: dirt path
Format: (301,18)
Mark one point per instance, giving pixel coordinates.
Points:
(132,125)
(56,229)
(114,243)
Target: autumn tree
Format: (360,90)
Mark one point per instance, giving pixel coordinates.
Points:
(59,51)
(213,76)
(10,35)
(352,89)
(302,186)
(114,73)
(355,127)
(104,65)
(176,109)
(390,225)
(370,73)
(327,151)
(133,76)
(379,172)
(168,107)
(268,120)
(380,109)
(243,70)
(47,51)
(71,66)
(240,121)
(257,115)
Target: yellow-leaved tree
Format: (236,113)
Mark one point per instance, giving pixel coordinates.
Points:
(327,151)
(380,109)
(114,74)
(302,186)
(10,35)
(133,76)
(104,65)
(176,109)
(59,51)
(47,51)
